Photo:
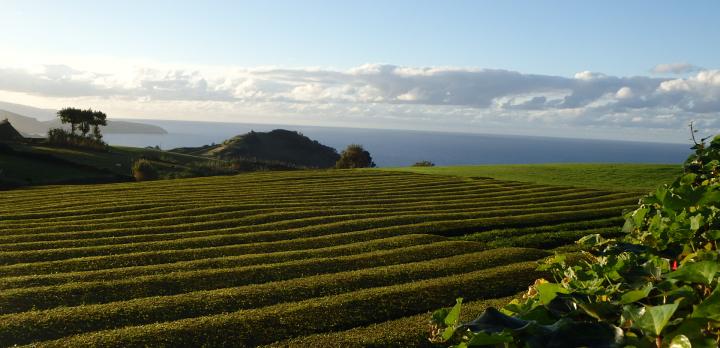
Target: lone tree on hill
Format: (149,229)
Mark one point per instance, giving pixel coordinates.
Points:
(355,156)
(83,120)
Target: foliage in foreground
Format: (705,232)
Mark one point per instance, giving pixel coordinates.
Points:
(655,287)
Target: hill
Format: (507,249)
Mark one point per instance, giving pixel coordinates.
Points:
(37,163)
(40,164)
(279,145)
(31,126)
(29,111)
(257,258)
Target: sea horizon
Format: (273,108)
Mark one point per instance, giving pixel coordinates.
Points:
(395,147)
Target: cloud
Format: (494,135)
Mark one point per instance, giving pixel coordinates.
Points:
(675,68)
(624,93)
(388,93)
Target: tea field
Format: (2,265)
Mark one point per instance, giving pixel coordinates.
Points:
(297,258)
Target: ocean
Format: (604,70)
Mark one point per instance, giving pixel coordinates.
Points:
(395,148)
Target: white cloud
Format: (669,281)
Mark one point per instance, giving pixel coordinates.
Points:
(385,94)
(675,68)
(588,75)
(624,93)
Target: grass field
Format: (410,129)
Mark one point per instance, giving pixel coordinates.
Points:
(299,258)
(625,177)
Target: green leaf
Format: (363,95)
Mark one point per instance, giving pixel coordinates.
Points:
(454,315)
(710,308)
(660,193)
(439,315)
(591,240)
(696,222)
(688,179)
(549,291)
(448,333)
(655,318)
(696,272)
(710,198)
(635,219)
(600,310)
(680,341)
(636,295)
(713,234)
(632,313)
(553,261)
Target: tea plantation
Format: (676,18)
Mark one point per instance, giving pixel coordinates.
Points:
(298,258)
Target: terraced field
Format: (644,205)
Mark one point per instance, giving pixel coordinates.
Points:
(302,258)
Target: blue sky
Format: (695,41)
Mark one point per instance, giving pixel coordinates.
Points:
(201,43)
(544,37)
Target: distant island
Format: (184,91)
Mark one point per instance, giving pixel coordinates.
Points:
(35,122)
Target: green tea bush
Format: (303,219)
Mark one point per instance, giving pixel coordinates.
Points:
(656,286)
(250,328)
(405,332)
(18,300)
(143,170)
(223,258)
(63,321)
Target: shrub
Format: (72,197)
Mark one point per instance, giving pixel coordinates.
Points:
(656,286)
(355,156)
(423,164)
(61,137)
(143,170)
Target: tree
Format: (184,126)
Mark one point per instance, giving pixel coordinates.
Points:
(70,115)
(355,156)
(85,119)
(98,119)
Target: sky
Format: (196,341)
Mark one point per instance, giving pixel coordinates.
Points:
(632,70)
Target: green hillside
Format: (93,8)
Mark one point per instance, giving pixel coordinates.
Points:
(265,257)
(24,164)
(20,171)
(612,176)
(279,145)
